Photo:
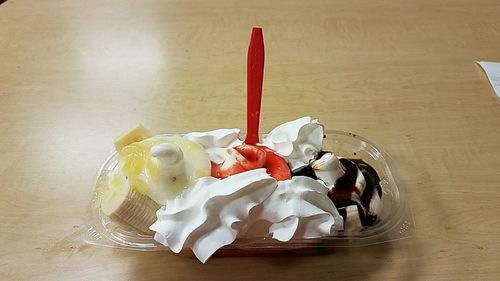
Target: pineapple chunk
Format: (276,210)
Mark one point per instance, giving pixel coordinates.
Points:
(136,134)
(144,175)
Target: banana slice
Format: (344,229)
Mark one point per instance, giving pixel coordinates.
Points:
(138,133)
(328,169)
(353,221)
(122,202)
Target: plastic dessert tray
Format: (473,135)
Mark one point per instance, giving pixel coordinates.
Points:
(394,222)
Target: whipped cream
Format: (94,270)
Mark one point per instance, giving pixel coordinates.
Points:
(299,141)
(215,212)
(209,215)
(298,208)
(217,142)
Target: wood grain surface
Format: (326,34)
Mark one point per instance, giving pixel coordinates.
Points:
(75,74)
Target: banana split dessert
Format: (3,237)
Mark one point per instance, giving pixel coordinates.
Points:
(204,190)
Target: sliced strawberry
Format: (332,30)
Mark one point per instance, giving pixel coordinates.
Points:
(253,157)
(218,171)
(276,165)
(240,159)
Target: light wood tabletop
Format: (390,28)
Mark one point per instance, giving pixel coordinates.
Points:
(76,74)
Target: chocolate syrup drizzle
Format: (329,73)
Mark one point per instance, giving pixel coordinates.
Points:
(341,193)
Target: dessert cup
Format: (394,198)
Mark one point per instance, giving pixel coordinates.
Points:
(394,222)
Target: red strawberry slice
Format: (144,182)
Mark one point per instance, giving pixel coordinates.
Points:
(276,165)
(240,159)
(253,157)
(218,171)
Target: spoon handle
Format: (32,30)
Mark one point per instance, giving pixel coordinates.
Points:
(255,76)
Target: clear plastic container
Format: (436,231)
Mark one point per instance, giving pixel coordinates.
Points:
(394,222)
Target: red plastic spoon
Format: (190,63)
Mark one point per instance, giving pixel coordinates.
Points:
(275,165)
(249,156)
(255,76)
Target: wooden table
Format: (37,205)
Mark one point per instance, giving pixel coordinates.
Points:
(75,74)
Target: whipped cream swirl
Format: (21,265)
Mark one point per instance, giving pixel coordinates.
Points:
(298,208)
(209,215)
(299,141)
(216,142)
(215,212)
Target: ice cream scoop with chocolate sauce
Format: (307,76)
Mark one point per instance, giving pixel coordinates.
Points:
(354,187)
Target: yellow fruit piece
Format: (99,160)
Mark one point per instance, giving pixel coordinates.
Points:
(133,166)
(196,160)
(153,170)
(117,180)
(201,173)
(142,172)
(124,204)
(136,158)
(136,134)
(115,187)
(139,185)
